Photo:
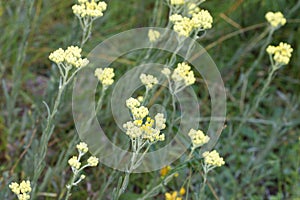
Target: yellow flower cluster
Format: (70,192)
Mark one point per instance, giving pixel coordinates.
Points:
(153,35)
(105,76)
(143,126)
(165,170)
(132,103)
(82,147)
(22,190)
(202,19)
(93,161)
(148,80)
(70,57)
(213,158)
(183,73)
(275,19)
(175,195)
(177,2)
(198,138)
(184,26)
(87,8)
(281,53)
(192,8)
(74,162)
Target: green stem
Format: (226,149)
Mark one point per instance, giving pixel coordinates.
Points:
(100,101)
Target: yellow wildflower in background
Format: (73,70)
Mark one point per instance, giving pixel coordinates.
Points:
(153,35)
(105,76)
(276,19)
(213,158)
(165,170)
(172,196)
(182,191)
(281,53)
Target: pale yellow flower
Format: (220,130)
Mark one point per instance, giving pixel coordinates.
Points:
(153,35)
(15,188)
(198,138)
(82,147)
(177,2)
(74,162)
(184,73)
(202,20)
(276,19)
(213,158)
(132,103)
(93,161)
(148,80)
(91,8)
(105,76)
(281,53)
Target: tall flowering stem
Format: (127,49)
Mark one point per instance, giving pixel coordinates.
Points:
(69,62)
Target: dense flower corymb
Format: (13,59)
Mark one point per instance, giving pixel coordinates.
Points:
(198,138)
(105,76)
(82,147)
(275,19)
(22,190)
(213,158)
(177,2)
(70,57)
(74,163)
(91,8)
(202,20)
(148,80)
(153,35)
(93,161)
(281,53)
(183,73)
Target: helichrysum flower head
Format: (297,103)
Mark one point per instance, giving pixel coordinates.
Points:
(213,158)
(139,113)
(166,71)
(148,80)
(153,35)
(192,8)
(160,121)
(275,19)
(24,197)
(177,2)
(202,20)
(183,27)
(91,8)
(132,103)
(15,188)
(198,138)
(281,53)
(82,147)
(25,187)
(184,73)
(69,57)
(22,190)
(105,76)
(145,127)
(93,161)
(175,18)
(74,162)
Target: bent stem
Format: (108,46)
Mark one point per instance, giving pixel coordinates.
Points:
(100,101)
